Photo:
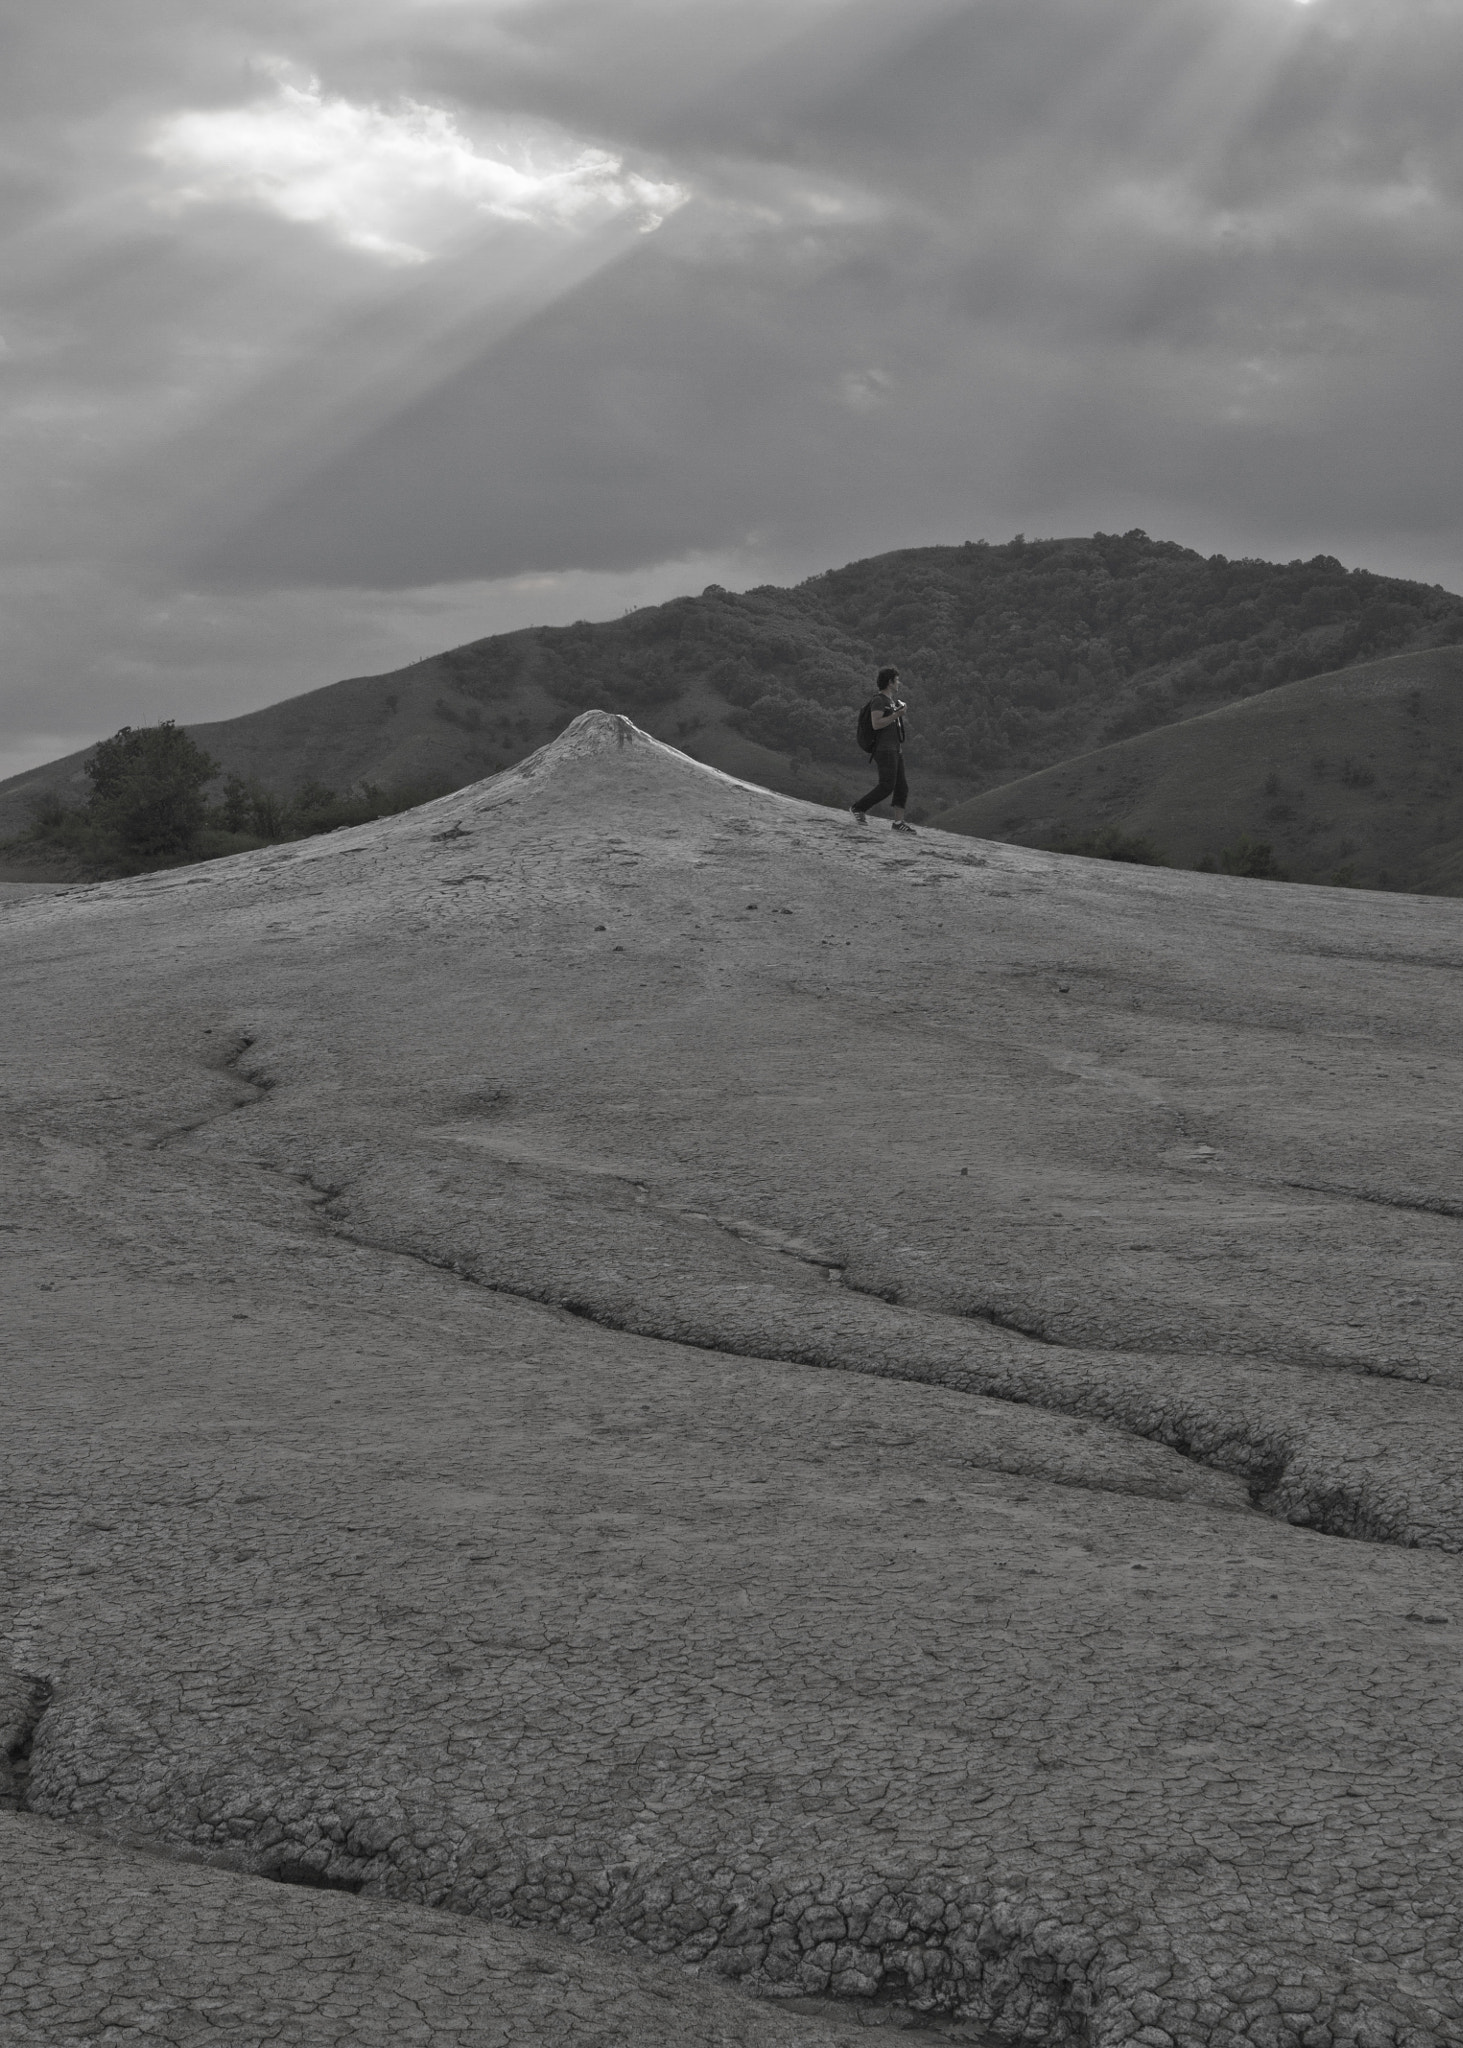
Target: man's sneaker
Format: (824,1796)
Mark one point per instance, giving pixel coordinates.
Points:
(862,816)
(902,825)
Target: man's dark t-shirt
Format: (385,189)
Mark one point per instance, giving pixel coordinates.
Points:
(885,735)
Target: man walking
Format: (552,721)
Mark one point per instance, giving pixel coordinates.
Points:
(885,723)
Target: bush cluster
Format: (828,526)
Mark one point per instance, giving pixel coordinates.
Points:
(1254,858)
(148,809)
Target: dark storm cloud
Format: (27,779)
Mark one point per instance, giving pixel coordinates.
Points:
(925,269)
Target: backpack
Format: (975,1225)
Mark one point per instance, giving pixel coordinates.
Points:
(866,727)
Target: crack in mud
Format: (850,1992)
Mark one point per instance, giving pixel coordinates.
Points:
(929,1970)
(1427,1205)
(836,1267)
(1378,959)
(1001,1319)
(24,1700)
(231,1064)
(940,1956)
(254,1078)
(1265,1461)
(316,1877)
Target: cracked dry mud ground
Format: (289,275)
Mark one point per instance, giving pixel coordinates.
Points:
(728,1399)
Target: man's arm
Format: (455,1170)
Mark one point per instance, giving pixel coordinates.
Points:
(880,719)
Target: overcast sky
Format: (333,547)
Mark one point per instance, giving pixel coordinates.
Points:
(335,332)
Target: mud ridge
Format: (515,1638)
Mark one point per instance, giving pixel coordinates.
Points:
(989,1959)
(1026,1962)
(1267,1461)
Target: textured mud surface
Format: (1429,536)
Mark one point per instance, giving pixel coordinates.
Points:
(100,1943)
(727,1398)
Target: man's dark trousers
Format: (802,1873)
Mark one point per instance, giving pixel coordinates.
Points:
(889,760)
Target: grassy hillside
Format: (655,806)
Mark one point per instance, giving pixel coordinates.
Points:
(1014,657)
(1356,776)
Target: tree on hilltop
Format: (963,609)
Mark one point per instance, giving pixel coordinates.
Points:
(147,788)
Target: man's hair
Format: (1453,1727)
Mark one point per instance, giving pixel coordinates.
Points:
(886,676)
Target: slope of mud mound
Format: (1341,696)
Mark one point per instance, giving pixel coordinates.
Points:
(875,1419)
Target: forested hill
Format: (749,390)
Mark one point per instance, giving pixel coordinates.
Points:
(1014,658)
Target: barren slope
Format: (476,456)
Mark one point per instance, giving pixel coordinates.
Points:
(1357,774)
(880,1418)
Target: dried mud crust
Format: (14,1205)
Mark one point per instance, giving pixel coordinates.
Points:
(102,1944)
(745,1665)
(794,1656)
(1360,1459)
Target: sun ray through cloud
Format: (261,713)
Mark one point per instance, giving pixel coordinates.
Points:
(502,235)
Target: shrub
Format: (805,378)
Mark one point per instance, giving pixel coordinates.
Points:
(250,810)
(48,814)
(1252,857)
(313,800)
(792,725)
(235,812)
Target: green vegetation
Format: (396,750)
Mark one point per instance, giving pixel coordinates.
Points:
(147,809)
(1013,656)
(1353,779)
(147,791)
(1252,857)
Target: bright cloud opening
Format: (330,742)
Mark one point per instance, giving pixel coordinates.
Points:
(395,182)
